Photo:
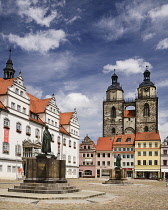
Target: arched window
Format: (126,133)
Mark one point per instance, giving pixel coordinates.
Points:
(113,130)
(113,112)
(6,123)
(28,130)
(37,133)
(69,159)
(74,172)
(88,173)
(18,127)
(146,110)
(58,140)
(74,145)
(64,142)
(69,143)
(74,159)
(146,129)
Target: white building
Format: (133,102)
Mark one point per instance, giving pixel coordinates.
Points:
(22,121)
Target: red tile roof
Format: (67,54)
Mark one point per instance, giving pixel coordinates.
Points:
(62,130)
(147,136)
(38,105)
(3,107)
(124,138)
(37,121)
(129,113)
(65,118)
(104,143)
(4,84)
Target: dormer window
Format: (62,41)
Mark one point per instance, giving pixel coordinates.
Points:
(17,90)
(119,140)
(128,140)
(34,116)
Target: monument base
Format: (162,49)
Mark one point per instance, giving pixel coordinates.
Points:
(45,174)
(117,176)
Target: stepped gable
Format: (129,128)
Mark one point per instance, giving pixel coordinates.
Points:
(38,105)
(4,84)
(129,113)
(124,139)
(104,143)
(147,136)
(3,107)
(65,118)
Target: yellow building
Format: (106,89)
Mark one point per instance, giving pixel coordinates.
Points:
(147,155)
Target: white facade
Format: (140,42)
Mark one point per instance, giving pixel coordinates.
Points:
(22,126)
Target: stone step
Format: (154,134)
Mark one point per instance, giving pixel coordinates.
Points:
(45,184)
(44,188)
(43,191)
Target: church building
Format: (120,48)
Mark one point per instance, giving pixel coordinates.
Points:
(23,118)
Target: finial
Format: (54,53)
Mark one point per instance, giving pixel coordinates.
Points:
(53,95)
(147,67)
(114,71)
(20,73)
(10,50)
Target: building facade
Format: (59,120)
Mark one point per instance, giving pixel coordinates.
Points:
(23,118)
(164,159)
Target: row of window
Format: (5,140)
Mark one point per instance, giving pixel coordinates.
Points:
(125,163)
(103,163)
(71,172)
(74,132)
(9,168)
(13,106)
(146,129)
(88,155)
(69,158)
(123,149)
(19,92)
(51,122)
(149,162)
(64,142)
(103,154)
(124,156)
(144,153)
(87,163)
(144,145)
(87,147)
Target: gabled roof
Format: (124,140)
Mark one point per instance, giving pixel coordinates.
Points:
(62,130)
(65,118)
(3,107)
(124,138)
(37,121)
(4,84)
(104,143)
(129,113)
(38,105)
(144,136)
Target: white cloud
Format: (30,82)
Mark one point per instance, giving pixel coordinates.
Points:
(163,44)
(73,19)
(70,85)
(42,41)
(35,91)
(29,10)
(130,94)
(164,83)
(132,65)
(146,37)
(159,12)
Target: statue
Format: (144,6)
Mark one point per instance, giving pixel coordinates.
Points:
(46,144)
(118,161)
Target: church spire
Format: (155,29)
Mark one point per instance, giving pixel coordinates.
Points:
(8,70)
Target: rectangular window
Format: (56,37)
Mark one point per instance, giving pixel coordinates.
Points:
(92,155)
(156,153)
(132,149)
(139,145)
(165,152)
(83,163)
(17,90)
(103,154)
(98,154)
(128,163)
(87,155)
(21,93)
(115,149)
(124,149)
(132,156)
(144,153)
(144,162)
(123,163)
(132,163)
(155,162)
(150,153)
(13,169)
(83,155)
(119,149)
(139,153)
(124,156)
(24,110)
(165,162)
(103,163)
(98,163)
(128,156)
(128,149)
(84,147)
(119,140)
(128,140)
(48,121)
(18,108)
(8,168)
(108,154)
(17,150)
(144,145)
(108,163)
(156,144)
(5,148)
(150,144)
(12,105)
(139,162)
(88,147)
(150,162)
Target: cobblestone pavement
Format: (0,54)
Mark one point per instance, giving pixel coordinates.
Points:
(143,194)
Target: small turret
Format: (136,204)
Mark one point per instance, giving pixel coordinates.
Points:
(9,72)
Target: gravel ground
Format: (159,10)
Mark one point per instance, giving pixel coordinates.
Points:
(144,194)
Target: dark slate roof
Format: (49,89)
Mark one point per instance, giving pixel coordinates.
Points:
(147,83)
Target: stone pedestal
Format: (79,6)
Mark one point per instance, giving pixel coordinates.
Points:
(117,176)
(45,175)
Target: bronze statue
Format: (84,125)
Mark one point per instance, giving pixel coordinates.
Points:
(118,161)
(46,144)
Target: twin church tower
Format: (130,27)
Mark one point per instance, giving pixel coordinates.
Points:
(143,116)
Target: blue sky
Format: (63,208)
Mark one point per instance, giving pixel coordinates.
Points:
(70,48)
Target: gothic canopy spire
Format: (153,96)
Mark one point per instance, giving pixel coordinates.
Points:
(8,70)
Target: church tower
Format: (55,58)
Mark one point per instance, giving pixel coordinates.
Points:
(9,72)
(146,106)
(113,108)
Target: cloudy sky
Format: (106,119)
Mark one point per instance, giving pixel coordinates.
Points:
(70,48)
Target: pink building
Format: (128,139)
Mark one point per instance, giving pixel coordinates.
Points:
(87,158)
